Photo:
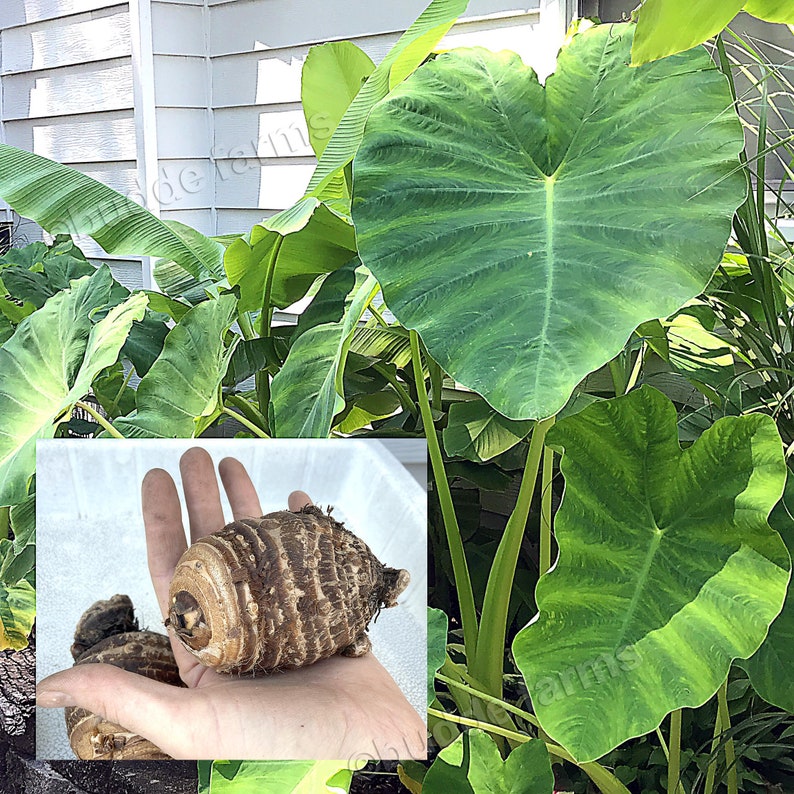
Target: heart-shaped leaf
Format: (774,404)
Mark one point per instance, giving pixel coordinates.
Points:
(332,75)
(524,231)
(476,432)
(667,571)
(182,386)
(49,364)
(771,10)
(472,765)
(665,27)
(410,50)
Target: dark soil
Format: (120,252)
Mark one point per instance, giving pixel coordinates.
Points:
(378,778)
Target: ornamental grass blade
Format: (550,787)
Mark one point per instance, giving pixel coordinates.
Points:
(182,385)
(65,201)
(525,231)
(49,364)
(667,570)
(472,764)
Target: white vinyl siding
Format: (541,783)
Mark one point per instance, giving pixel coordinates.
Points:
(194,105)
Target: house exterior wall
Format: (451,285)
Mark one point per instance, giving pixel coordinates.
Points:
(193,106)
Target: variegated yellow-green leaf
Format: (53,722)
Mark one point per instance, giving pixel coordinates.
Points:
(667,570)
(49,364)
(17,612)
(525,231)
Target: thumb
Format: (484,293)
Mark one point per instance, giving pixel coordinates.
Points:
(137,703)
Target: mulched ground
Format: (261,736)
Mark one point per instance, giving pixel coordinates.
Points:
(380,778)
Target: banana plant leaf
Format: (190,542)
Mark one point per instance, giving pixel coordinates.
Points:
(472,765)
(63,200)
(667,569)
(524,230)
(49,364)
(404,57)
(307,392)
(179,393)
(332,76)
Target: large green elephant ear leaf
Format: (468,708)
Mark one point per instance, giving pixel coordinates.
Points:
(524,231)
(771,667)
(63,200)
(49,364)
(472,765)
(667,571)
(178,396)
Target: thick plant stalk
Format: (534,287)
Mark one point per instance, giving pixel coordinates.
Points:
(265,321)
(602,777)
(674,757)
(493,625)
(711,772)
(460,569)
(730,753)
(101,421)
(545,511)
(245,422)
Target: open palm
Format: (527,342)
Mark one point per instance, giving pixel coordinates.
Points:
(338,708)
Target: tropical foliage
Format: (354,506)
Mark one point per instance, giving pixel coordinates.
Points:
(576,283)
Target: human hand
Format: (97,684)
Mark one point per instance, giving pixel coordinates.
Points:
(337,708)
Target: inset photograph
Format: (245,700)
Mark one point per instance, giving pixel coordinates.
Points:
(230,599)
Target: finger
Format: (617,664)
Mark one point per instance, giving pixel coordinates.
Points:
(298,500)
(239,489)
(149,708)
(165,535)
(202,496)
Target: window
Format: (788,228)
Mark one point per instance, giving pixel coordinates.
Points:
(5,236)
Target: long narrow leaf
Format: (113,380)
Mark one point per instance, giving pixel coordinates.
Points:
(63,200)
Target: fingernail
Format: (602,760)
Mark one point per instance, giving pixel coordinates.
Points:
(51,699)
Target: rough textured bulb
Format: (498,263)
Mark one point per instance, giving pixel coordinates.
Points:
(108,633)
(279,592)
